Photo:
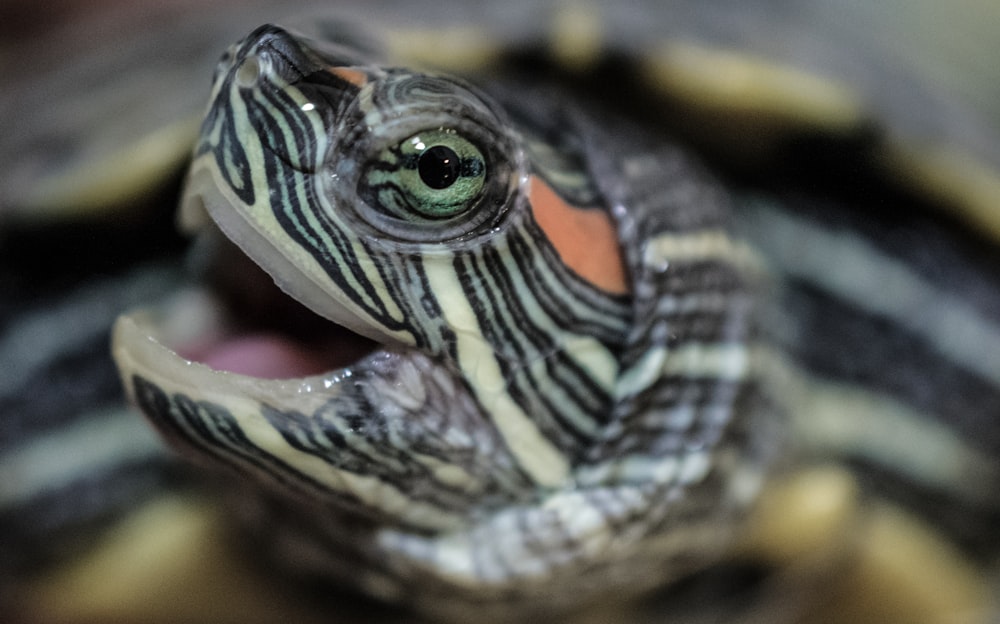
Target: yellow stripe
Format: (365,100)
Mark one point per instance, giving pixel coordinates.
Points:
(533,451)
(837,419)
(724,361)
(701,245)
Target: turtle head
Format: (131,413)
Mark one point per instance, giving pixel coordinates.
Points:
(397,208)
(516,357)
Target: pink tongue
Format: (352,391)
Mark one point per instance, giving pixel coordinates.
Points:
(266,356)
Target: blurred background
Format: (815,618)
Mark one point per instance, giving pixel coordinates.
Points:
(99,105)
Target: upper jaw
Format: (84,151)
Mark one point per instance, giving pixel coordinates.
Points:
(243,337)
(226,188)
(191,344)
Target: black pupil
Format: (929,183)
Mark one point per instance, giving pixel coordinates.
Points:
(439,167)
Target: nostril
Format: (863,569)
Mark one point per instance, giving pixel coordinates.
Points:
(268,52)
(248,72)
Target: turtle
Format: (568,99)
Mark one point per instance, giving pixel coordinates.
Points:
(567,320)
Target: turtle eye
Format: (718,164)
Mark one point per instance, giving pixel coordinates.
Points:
(420,159)
(433,175)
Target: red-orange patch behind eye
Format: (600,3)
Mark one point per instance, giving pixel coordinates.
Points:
(353,76)
(585,238)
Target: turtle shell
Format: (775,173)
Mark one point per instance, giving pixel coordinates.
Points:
(819,108)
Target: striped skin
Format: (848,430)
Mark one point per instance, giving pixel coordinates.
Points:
(460,454)
(890,336)
(61,448)
(899,410)
(536,432)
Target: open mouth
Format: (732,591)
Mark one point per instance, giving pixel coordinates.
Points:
(263,332)
(235,323)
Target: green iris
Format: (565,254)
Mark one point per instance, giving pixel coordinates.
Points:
(436,174)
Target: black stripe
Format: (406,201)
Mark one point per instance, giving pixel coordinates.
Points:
(848,344)
(593,313)
(212,430)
